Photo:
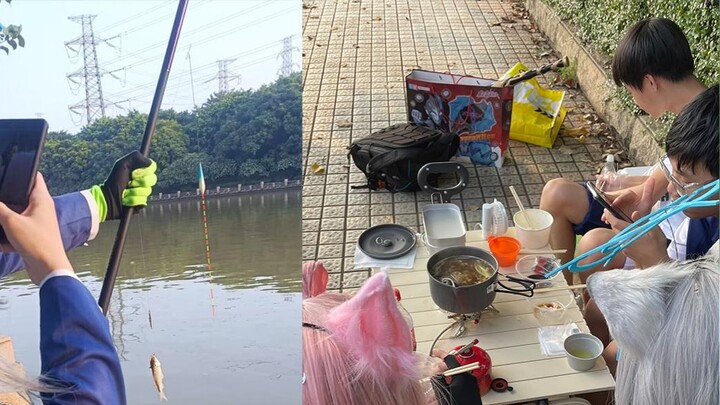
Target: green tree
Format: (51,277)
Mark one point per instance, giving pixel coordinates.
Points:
(239,137)
(10,35)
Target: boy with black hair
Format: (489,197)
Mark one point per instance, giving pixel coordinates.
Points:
(654,63)
(692,157)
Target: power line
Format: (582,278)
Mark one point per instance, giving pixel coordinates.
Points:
(201,29)
(180,75)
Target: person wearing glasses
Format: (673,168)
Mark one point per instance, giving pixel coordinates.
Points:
(690,163)
(654,63)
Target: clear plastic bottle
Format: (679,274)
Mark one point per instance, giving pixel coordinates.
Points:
(608,179)
(408,318)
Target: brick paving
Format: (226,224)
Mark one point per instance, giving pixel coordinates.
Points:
(356,54)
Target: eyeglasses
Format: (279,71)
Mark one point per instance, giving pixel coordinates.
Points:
(680,187)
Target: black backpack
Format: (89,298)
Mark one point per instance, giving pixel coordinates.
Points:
(392,157)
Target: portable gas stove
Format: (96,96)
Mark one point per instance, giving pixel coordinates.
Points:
(460,319)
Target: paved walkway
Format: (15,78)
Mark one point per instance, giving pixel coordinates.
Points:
(356,54)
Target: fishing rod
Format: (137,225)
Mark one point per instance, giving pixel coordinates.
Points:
(116,255)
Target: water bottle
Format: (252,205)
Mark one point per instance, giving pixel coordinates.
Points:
(408,319)
(607,181)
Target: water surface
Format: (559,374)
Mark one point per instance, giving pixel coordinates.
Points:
(247,352)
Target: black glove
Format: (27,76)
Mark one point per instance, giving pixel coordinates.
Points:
(118,180)
(462,390)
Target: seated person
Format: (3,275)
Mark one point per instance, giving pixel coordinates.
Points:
(692,150)
(358,350)
(654,63)
(665,322)
(691,143)
(79,363)
(80,214)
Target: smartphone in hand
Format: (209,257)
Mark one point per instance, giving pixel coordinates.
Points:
(600,197)
(21,142)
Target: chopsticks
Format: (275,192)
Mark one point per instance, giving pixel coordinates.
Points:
(522,208)
(462,369)
(462,349)
(563,288)
(541,251)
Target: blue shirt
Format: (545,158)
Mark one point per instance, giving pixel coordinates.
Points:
(76,347)
(75,220)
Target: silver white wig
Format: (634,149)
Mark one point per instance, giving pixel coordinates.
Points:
(665,322)
(12,380)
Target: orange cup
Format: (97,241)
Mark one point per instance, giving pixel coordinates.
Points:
(505,249)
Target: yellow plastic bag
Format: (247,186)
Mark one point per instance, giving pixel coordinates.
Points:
(537,112)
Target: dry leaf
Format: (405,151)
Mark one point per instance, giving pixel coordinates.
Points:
(345,124)
(376,18)
(315,168)
(575,132)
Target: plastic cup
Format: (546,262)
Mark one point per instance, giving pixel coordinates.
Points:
(539,235)
(582,350)
(505,249)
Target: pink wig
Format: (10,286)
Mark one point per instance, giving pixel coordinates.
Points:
(314,279)
(357,351)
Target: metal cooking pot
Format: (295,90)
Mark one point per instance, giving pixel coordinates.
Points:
(474,298)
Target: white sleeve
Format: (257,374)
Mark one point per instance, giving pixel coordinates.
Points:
(94,214)
(677,249)
(58,273)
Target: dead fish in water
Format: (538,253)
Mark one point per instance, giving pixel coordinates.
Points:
(158,376)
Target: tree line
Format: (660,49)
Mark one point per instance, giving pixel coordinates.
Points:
(239,136)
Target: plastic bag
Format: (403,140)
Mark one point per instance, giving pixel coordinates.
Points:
(537,112)
(552,338)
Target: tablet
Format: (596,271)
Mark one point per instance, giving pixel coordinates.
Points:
(21,142)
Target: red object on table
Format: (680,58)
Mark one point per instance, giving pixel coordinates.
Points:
(483,374)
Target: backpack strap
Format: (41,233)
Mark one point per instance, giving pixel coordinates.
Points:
(390,157)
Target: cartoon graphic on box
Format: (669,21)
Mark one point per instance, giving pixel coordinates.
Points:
(434,116)
(481,152)
(468,116)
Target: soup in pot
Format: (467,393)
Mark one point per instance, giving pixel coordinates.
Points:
(462,270)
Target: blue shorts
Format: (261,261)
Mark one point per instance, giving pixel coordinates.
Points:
(592,217)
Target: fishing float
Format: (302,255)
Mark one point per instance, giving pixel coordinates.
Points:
(201,188)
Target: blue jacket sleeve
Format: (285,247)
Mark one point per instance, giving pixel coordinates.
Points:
(76,347)
(75,221)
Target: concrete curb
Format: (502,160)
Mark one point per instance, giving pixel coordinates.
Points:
(634,131)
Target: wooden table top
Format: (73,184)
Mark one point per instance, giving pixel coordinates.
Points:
(510,337)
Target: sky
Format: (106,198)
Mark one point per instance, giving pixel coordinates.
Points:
(34,83)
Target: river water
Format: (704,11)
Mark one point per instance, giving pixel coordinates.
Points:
(247,352)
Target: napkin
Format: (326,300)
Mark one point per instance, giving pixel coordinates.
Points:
(403,262)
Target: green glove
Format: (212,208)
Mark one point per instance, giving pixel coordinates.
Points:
(128,185)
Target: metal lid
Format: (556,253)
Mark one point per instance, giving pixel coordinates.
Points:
(387,241)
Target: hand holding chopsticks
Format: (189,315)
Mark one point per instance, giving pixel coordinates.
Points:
(462,369)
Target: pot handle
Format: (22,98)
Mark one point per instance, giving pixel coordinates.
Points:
(528,289)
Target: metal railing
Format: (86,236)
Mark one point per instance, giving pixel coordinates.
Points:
(240,188)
